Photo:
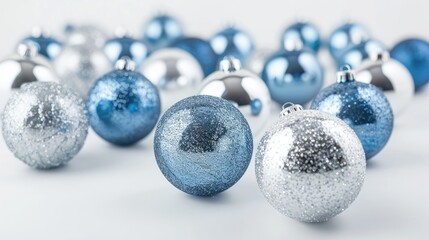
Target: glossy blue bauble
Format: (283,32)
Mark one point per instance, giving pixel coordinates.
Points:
(364,108)
(234,42)
(47,46)
(203,145)
(414,55)
(293,76)
(307,33)
(161,31)
(356,54)
(345,36)
(200,50)
(123,107)
(125,46)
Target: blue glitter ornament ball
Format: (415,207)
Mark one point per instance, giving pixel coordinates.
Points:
(123,105)
(126,46)
(414,55)
(161,31)
(356,54)
(232,41)
(362,106)
(46,45)
(345,36)
(203,145)
(200,50)
(307,33)
(293,76)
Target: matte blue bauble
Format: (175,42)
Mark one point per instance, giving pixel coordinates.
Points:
(356,54)
(200,50)
(345,36)
(161,31)
(414,55)
(234,42)
(293,76)
(123,106)
(307,33)
(126,46)
(47,46)
(362,106)
(203,145)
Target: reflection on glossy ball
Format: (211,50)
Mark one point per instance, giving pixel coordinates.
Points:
(414,55)
(45,124)
(161,31)
(305,32)
(175,72)
(356,54)
(232,42)
(46,45)
(126,46)
(310,166)
(345,36)
(203,145)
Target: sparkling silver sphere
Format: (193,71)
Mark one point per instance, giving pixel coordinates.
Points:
(45,124)
(242,88)
(175,72)
(79,67)
(85,36)
(310,165)
(389,75)
(256,61)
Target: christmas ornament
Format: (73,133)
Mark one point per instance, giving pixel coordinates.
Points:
(175,72)
(46,45)
(362,106)
(389,75)
(161,31)
(242,88)
(126,46)
(256,61)
(345,36)
(232,41)
(200,50)
(89,37)
(293,75)
(203,145)
(356,54)
(310,165)
(44,124)
(413,53)
(123,105)
(305,32)
(78,67)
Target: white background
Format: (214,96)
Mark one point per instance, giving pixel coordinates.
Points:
(118,193)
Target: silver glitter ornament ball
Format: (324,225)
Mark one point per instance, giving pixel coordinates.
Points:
(243,89)
(44,124)
(310,165)
(389,75)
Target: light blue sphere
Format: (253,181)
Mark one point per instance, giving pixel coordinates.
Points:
(305,32)
(203,145)
(234,42)
(126,46)
(161,31)
(356,54)
(345,36)
(123,107)
(293,76)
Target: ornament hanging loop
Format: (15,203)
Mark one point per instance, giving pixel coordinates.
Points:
(125,63)
(229,64)
(289,108)
(345,74)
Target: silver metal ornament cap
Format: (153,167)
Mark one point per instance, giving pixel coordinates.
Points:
(27,49)
(379,56)
(229,64)
(125,63)
(345,74)
(289,108)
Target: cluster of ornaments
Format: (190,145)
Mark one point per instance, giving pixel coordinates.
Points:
(206,99)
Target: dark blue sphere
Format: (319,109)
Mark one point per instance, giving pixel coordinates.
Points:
(203,145)
(200,50)
(125,46)
(345,36)
(123,107)
(414,55)
(356,54)
(234,42)
(47,46)
(161,31)
(293,76)
(363,107)
(307,33)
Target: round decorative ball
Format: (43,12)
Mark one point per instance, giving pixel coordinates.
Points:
(203,145)
(257,60)
(126,46)
(85,36)
(161,31)
(46,45)
(390,76)
(305,32)
(356,54)
(310,165)
(50,127)
(175,72)
(200,50)
(232,41)
(362,106)
(414,55)
(345,36)
(123,105)
(243,89)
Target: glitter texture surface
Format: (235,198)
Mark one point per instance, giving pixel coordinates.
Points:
(123,107)
(364,108)
(203,145)
(310,166)
(45,124)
